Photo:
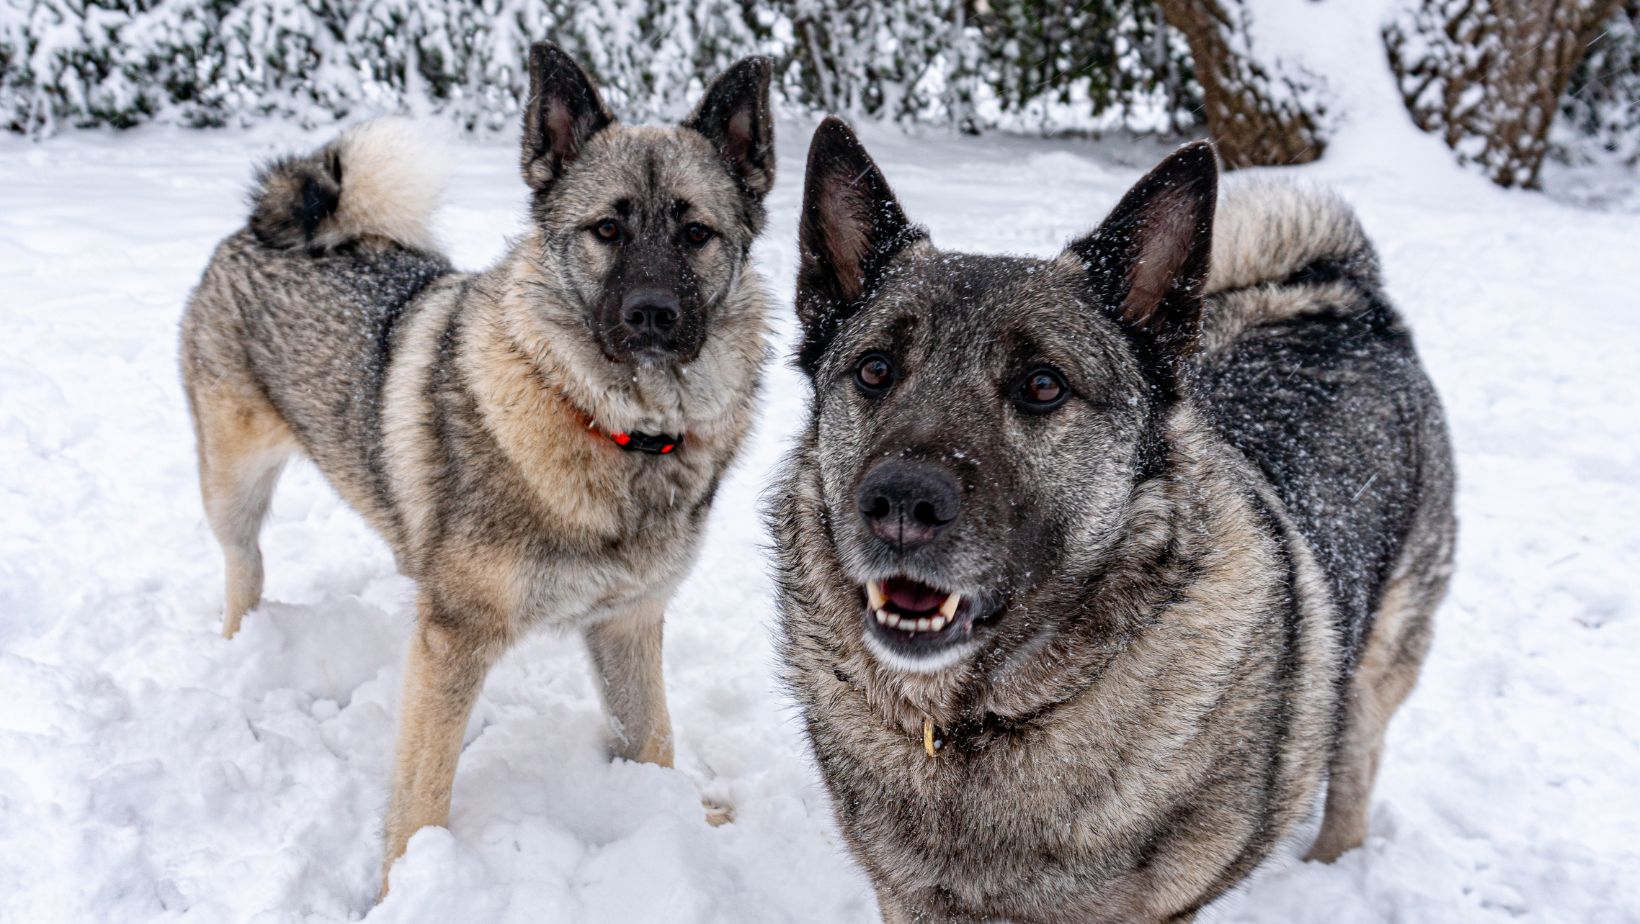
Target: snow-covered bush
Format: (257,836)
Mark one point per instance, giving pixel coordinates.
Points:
(1489,78)
(1020,63)
(1600,113)
(904,61)
(1047,62)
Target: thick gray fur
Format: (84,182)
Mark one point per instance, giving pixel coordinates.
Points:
(1194,591)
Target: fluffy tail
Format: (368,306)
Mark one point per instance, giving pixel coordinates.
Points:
(1282,249)
(379,179)
(1266,230)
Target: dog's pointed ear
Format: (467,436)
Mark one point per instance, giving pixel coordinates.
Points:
(564,111)
(851,228)
(735,116)
(1149,259)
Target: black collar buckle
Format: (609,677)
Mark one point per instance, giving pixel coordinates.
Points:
(655,444)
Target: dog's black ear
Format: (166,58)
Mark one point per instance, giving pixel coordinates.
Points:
(735,116)
(851,227)
(1149,260)
(563,111)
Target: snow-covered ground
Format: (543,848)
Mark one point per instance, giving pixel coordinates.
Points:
(150,770)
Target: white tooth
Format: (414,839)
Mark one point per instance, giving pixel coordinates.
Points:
(893,621)
(937,623)
(923,624)
(874,593)
(882,617)
(948,609)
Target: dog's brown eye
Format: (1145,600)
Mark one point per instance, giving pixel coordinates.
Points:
(697,233)
(874,374)
(608,230)
(1040,390)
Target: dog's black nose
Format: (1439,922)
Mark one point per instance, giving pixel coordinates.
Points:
(908,504)
(650,313)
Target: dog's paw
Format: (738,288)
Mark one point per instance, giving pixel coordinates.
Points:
(718,813)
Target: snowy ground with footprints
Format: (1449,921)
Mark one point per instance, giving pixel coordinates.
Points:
(152,771)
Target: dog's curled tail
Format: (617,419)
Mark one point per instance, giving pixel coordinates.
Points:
(1269,230)
(1281,250)
(379,179)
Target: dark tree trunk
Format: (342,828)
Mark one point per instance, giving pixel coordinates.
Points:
(1487,75)
(1258,112)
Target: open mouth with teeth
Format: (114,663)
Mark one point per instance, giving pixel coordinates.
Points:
(914,618)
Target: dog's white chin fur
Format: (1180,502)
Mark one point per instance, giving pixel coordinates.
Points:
(932,664)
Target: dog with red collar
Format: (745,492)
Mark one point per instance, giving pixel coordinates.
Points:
(539,442)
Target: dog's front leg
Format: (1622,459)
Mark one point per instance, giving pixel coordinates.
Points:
(449,657)
(626,660)
(891,911)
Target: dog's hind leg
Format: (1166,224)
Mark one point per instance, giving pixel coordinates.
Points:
(243,443)
(626,659)
(1386,674)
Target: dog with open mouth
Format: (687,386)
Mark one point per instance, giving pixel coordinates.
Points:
(1092,569)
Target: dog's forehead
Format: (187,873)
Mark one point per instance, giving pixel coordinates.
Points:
(958,301)
(657,164)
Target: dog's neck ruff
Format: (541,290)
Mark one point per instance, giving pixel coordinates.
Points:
(964,732)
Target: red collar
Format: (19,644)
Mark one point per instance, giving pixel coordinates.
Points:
(655,444)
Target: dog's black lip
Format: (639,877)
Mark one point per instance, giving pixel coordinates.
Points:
(626,353)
